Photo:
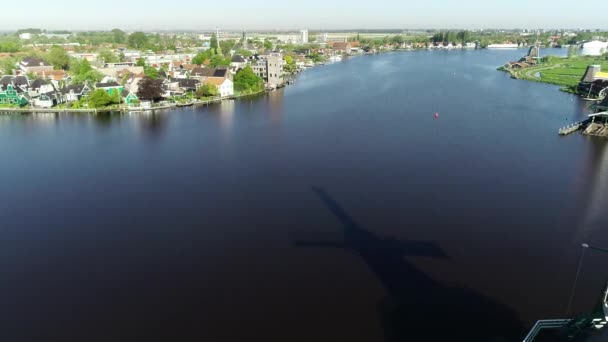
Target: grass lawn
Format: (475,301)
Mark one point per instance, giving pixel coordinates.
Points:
(565,72)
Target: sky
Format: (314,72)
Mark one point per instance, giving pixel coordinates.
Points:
(312,14)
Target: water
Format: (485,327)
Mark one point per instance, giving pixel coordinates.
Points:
(338,209)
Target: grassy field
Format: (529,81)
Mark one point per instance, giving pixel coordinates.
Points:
(565,72)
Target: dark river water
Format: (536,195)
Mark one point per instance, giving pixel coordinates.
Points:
(337,209)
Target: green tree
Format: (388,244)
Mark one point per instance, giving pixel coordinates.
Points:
(290,65)
(464,37)
(9,46)
(107,56)
(244,53)
(83,67)
(219,61)
(8,65)
(213,42)
(151,72)
(99,98)
(137,40)
(141,62)
(267,44)
(119,36)
(58,58)
(201,57)
(93,76)
(207,90)
(247,80)
(226,46)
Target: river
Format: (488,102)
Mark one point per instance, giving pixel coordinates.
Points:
(336,209)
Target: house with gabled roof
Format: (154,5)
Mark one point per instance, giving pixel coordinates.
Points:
(75,92)
(238,62)
(202,74)
(110,87)
(9,95)
(225,87)
(34,65)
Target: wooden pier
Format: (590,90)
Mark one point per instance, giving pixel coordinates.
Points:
(574,127)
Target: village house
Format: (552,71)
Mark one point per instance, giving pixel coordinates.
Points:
(44,94)
(181,86)
(132,81)
(110,87)
(238,62)
(224,86)
(113,71)
(35,66)
(203,74)
(8,95)
(342,48)
(75,92)
(130,98)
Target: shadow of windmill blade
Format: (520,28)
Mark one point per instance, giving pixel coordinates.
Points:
(417,248)
(319,244)
(335,208)
(418,307)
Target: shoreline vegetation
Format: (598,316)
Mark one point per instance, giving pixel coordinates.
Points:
(561,71)
(165,105)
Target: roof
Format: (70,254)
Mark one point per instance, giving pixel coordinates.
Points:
(209,72)
(238,59)
(76,88)
(39,82)
(20,80)
(34,61)
(187,83)
(215,81)
(6,80)
(341,46)
(107,85)
(56,75)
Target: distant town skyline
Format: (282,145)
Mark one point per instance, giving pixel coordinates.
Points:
(313,15)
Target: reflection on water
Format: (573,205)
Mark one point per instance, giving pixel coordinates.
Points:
(275,105)
(153,125)
(226,110)
(104,120)
(597,188)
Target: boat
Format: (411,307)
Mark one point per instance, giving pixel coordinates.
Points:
(335,58)
(188,104)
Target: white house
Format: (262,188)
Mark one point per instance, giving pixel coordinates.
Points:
(224,86)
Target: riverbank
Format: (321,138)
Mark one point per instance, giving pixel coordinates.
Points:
(125,109)
(561,71)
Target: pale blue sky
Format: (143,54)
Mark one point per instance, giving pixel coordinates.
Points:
(313,14)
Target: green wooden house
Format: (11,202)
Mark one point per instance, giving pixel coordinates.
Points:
(10,96)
